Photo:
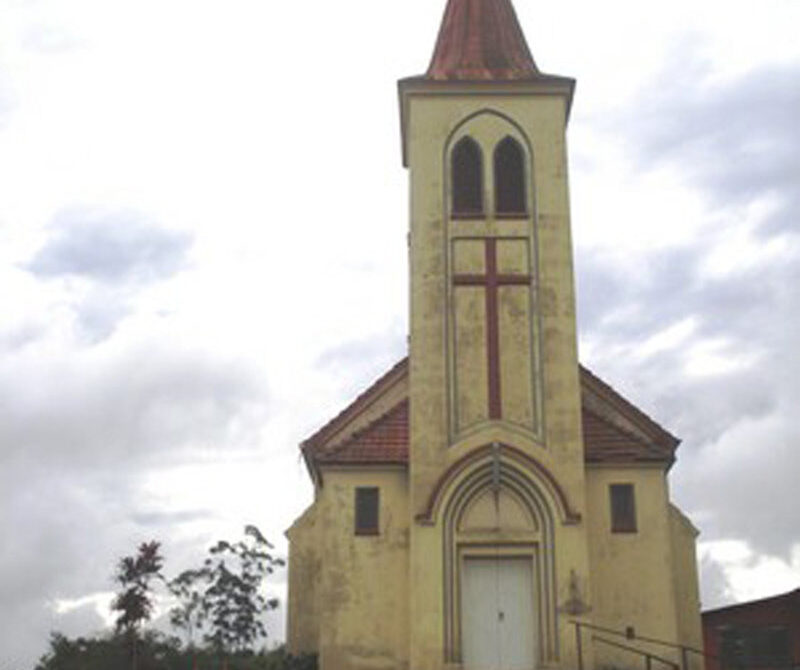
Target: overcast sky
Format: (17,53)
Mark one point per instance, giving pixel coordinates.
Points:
(202,258)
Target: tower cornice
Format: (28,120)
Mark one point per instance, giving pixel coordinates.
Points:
(540,84)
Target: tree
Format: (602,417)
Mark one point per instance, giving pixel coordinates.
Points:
(103,652)
(224,597)
(135,603)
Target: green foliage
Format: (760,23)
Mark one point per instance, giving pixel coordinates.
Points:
(155,652)
(223,597)
(135,574)
(158,652)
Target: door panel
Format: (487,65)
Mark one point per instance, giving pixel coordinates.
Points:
(516,616)
(481,634)
(498,622)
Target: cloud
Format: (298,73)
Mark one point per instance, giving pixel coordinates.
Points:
(111,247)
(7,99)
(49,39)
(736,572)
(102,260)
(736,138)
(82,434)
(701,333)
(107,407)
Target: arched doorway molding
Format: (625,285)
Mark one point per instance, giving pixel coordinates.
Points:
(528,506)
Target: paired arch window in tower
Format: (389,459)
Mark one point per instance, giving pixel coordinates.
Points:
(467,178)
(509,177)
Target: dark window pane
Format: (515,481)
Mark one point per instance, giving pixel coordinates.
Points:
(467,178)
(623,508)
(367,511)
(509,177)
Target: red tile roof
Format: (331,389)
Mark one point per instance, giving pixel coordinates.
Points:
(362,400)
(481,40)
(616,399)
(605,442)
(385,440)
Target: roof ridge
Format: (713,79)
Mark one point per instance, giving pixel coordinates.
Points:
(354,404)
(757,601)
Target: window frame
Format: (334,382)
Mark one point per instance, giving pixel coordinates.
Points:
(366,495)
(520,174)
(480,211)
(622,507)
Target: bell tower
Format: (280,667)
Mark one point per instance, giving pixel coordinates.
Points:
(493,356)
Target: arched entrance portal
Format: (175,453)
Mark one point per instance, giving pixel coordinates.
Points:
(498,509)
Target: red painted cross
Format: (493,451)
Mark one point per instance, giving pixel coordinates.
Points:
(492,280)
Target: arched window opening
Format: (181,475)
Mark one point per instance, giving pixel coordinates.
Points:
(467,178)
(509,177)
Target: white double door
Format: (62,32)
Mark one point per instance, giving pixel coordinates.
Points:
(498,617)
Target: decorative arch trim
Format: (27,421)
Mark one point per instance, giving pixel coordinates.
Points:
(566,512)
(491,112)
(510,470)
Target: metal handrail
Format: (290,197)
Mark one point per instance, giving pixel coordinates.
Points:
(630,634)
(648,657)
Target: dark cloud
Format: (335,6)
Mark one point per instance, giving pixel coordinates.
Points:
(110,247)
(736,143)
(737,138)
(150,402)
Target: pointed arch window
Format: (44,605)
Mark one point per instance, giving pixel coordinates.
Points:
(466,164)
(509,178)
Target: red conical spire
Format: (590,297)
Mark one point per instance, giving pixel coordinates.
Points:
(481,40)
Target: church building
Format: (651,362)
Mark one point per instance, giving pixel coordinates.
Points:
(489,503)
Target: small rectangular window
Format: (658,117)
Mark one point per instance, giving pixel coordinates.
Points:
(367,501)
(623,508)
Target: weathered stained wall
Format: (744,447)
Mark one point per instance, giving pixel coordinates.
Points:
(305,569)
(539,119)
(363,586)
(687,593)
(632,573)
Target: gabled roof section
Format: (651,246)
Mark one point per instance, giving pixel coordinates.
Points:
(481,40)
(373,429)
(605,442)
(384,441)
(398,372)
(605,401)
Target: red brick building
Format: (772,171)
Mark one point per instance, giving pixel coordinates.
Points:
(758,634)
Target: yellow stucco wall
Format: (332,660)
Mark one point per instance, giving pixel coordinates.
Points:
(433,121)
(361,598)
(389,601)
(305,568)
(633,573)
(687,595)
